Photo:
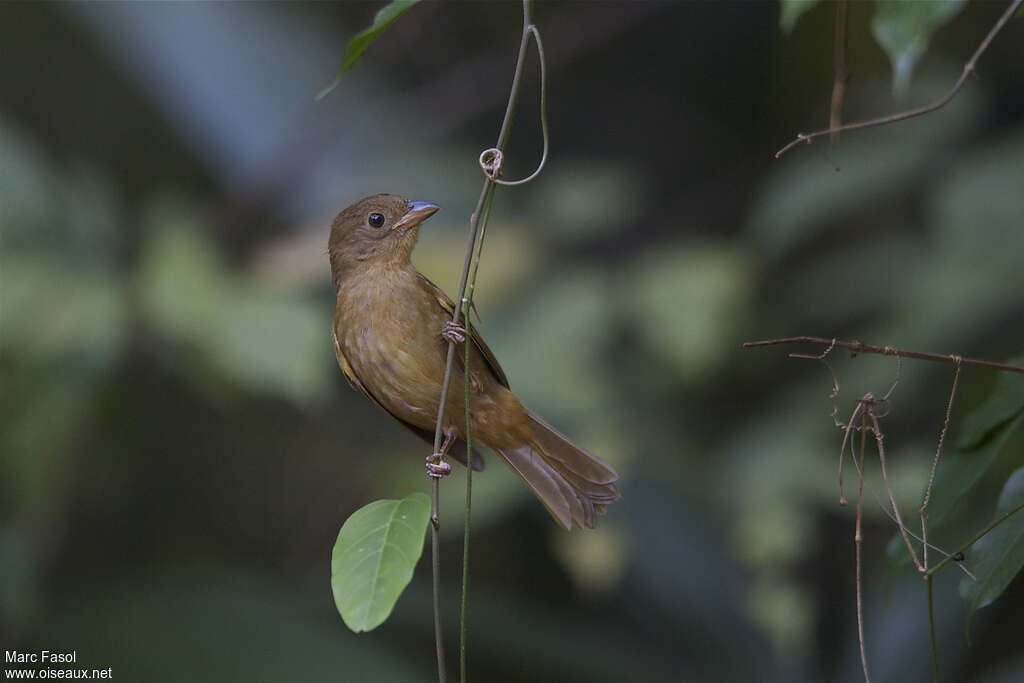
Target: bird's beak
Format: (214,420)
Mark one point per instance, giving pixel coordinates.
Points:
(417,213)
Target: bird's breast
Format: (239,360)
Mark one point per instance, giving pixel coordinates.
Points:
(389,335)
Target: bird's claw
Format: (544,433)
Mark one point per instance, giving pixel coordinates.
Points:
(437,467)
(453,332)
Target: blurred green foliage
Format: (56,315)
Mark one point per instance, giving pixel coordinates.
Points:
(179,448)
(903,29)
(362,40)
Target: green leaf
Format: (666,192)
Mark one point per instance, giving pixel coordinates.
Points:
(903,29)
(959,473)
(792,10)
(374,557)
(998,557)
(358,45)
(1002,405)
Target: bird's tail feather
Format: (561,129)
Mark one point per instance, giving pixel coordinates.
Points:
(572,484)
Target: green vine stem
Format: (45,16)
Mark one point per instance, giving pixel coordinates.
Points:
(933,646)
(491,162)
(977,537)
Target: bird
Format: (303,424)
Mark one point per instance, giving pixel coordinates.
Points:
(391,329)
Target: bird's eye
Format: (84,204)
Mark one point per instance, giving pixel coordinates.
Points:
(375,219)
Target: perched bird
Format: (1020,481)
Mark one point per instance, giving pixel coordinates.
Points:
(391,330)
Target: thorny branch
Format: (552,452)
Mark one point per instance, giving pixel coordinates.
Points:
(918,111)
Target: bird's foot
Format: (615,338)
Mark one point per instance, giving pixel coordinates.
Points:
(437,468)
(453,332)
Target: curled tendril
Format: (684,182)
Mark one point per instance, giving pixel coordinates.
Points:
(492,159)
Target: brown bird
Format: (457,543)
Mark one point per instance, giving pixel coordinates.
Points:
(391,330)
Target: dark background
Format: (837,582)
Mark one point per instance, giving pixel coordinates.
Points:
(180,449)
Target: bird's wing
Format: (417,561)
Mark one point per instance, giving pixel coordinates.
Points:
(350,374)
(457,449)
(478,342)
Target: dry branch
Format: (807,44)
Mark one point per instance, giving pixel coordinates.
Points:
(857,347)
(918,111)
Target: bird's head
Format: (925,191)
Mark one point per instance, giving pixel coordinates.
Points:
(380,228)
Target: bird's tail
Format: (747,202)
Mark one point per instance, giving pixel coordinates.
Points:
(572,484)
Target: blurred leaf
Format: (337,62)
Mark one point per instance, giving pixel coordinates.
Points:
(198,623)
(811,193)
(903,29)
(959,472)
(18,574)
(265,338)
(688,301)
(180,284)
(42,408)
(957,476)
(510,257)
(374,558)
(52,308)
(976,207)
(973,252)
(792,10)
(998,557)
(858,280)
(273,342)
(27,186)
(1005,402)
(551,348)
(596,560)
(362,40)
(579,200)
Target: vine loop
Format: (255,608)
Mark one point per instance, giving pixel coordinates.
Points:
(492,159)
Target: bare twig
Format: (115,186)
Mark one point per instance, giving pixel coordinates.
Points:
(919,111)
(858,541)
(848,428)
(858,348)
(880,442)
(835,117)
(857,412)
(892,518)
(821,357)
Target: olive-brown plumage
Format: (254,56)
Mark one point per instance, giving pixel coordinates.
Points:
(387,330)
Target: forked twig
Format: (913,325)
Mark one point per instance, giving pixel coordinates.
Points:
(835,380)
(888,513)
(867,414)
(858,348)
(918,111)
(880,443)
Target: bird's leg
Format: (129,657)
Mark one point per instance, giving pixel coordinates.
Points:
(437,467)
(453,333)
